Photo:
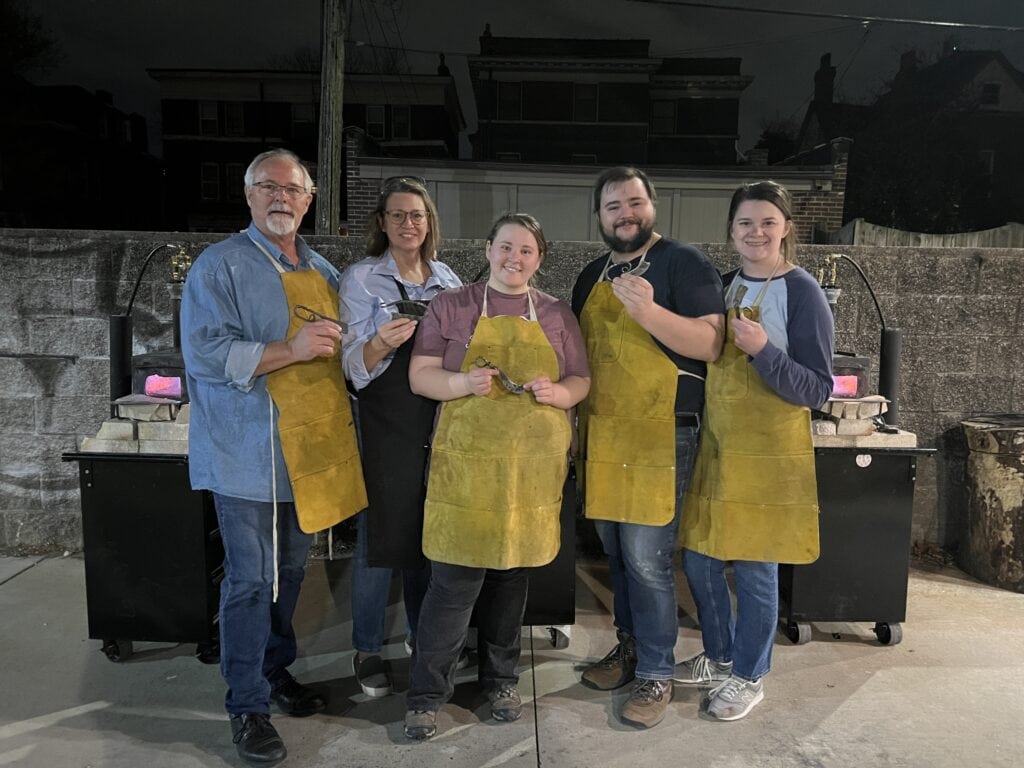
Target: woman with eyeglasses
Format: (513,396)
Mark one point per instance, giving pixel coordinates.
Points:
(753,499)
(382,298)
(508,362)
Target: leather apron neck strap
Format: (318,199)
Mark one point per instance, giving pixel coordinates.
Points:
(529,298)
(731,292)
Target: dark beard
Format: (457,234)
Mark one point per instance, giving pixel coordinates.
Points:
(618,245)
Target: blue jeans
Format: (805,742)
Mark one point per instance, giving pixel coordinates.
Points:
(370,590)
(643,578)
(257,640)
(745,639)
(500,599)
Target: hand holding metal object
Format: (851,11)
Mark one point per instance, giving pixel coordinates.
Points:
(311,316)
(741,291)
(641,266)
(410,309)
(506,382)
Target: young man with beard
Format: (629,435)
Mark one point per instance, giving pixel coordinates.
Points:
(270,435)
(652,315)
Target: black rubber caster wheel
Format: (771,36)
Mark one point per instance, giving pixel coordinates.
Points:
(117,650)
(208,652)
(798,632)
(889,634)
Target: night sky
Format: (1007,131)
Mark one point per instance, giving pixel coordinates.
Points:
(108,44)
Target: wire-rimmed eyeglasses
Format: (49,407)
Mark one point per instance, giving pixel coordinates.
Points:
(291,191)
(398,218)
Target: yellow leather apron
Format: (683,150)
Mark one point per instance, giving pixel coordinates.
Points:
(498,463)
(314,421)
(627,423)
(753,495)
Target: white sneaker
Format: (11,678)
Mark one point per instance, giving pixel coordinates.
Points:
(700,670)
(734,698)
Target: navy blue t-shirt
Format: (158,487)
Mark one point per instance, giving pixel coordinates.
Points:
(685,283)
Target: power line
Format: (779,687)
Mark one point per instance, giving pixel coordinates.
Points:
(823,15)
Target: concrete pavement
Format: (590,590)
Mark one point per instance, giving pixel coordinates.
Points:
(951,694)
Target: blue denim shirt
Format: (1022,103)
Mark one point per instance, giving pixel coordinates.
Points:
(232,306)
(366,287)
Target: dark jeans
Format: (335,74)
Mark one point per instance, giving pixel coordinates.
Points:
(500,598)
(257,640)
(370,591)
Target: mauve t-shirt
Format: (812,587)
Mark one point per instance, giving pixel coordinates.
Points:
(446,329)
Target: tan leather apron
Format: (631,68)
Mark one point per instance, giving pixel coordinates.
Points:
(314,421)
(753,495)
(498,463)
(627,423)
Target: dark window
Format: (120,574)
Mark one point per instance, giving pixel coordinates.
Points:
(663,117)
(510,101)
(987,161)
(209,123)
(209,181)
(400,122)
(303,121)
(584,107)
(375,121)
(582,158)
(234,119)
(701,117)
(234,180)
(547,101)
(990,93)
(623,103)
(513,157)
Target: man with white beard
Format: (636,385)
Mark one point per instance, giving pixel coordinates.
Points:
(271,436)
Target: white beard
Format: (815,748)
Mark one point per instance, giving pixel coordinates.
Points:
(280,224)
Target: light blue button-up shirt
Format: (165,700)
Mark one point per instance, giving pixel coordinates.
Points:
(366,287)
(232,306)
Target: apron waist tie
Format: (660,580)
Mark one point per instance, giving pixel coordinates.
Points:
(273,492)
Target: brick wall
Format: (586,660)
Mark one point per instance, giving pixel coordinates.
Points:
(961,312)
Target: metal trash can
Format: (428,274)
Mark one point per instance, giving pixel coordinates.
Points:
(994,549)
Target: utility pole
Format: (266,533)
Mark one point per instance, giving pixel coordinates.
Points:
(332,84)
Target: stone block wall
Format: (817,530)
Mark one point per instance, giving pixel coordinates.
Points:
(961,312)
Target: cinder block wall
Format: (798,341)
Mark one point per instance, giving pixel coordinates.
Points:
(960,310)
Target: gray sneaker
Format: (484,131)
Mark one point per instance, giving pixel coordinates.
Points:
(700,670)
(505,703)
(734,698)
(648,702)
(614,670)
(420,724)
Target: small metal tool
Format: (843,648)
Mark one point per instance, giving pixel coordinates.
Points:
(311,316)
(506,382)
(407,308)
(741,291)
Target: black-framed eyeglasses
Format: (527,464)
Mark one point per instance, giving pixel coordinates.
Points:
(398,218)
(291,191)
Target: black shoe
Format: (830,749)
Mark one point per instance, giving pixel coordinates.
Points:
(256,739)
(295,699)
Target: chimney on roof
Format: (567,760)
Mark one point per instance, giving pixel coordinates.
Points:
(442,68)
(487,30)
(824,80)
